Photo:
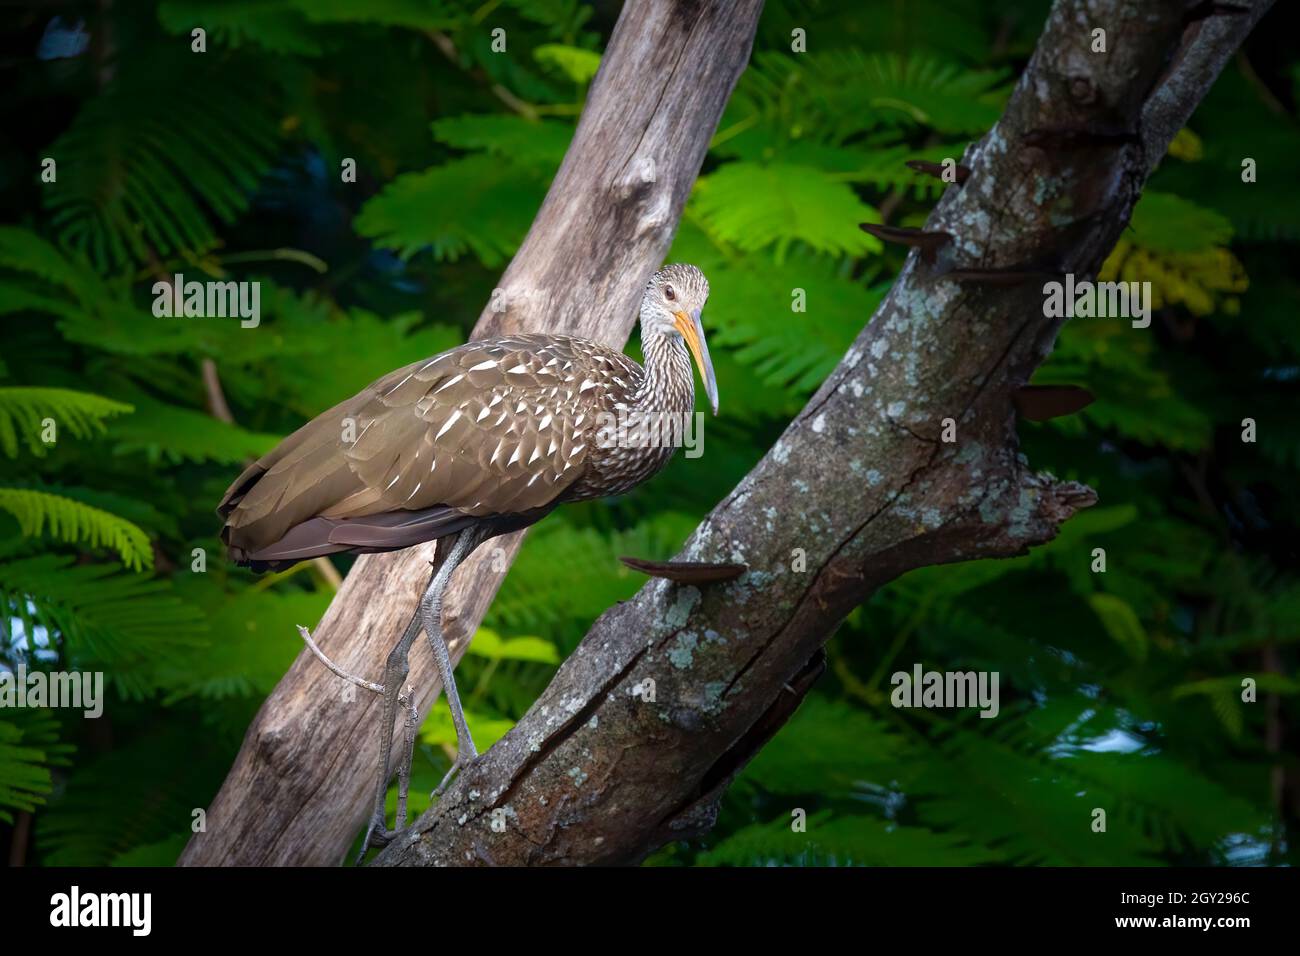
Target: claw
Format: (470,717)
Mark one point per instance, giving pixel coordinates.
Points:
(377,836)
(464,758)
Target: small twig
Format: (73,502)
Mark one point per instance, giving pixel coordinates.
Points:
(217,404)
(18,847)
(315,263)
(890,204)
(448,49)
(320,655)
(325,568)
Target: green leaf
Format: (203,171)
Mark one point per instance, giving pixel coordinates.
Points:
(1135,397)
(24,774)
(579,570)
(23,411)
(99,618)
(420,15)
(1270,683)
(836,96)
(439,731)
(752,306)
(163,432)
(1230,122)
(138,794)
(577,64)
(163,853)
(831,840)
(1121,623)
(256,640)
(540,144)
(24,251)
(325,363)
(1163,222)
(39,512)
(276,26)
(827,747)
(476,204)
(133,181)
(488,643)
(753,207)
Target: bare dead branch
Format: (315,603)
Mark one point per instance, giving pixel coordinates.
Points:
(298,790)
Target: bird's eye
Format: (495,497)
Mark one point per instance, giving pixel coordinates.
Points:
(669,294)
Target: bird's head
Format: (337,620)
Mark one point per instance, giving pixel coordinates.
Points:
(673,301)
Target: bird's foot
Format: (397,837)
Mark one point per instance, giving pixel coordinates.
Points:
(466,755)
(377,835)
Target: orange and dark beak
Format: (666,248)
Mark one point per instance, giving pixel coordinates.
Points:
(693,332)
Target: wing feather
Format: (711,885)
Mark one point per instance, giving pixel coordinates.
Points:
(497,427)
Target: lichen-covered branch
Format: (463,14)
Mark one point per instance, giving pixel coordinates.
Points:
(673,691)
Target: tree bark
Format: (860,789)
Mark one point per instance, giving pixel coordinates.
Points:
(300,787)
(672,692)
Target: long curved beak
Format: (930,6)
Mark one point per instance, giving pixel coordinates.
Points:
(693,332)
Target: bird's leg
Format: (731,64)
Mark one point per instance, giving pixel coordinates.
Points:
(406,698)
(407,701)
(431,611)
(395,671)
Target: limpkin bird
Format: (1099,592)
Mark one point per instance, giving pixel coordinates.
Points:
(476,442)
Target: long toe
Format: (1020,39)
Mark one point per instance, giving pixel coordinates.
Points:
(378,836)
(439,790)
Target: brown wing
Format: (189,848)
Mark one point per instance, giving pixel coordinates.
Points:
(498,427)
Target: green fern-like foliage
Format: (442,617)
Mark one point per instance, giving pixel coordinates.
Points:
(577,64)
(162,431)
(131,797)
(24,777)
(276,27)
(906,90)
(33,749)
(836,98)
(824,839)
(475,204)
(39,512)
(24,411)
(101,618)
(480,203)
(134,182)
(37,277)
(582,566)
(789,323)
(22,250)
(413,14)
(259,641)
(538,144)
(1135,398)
(1181,249)
(753,207)
(1235,109)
